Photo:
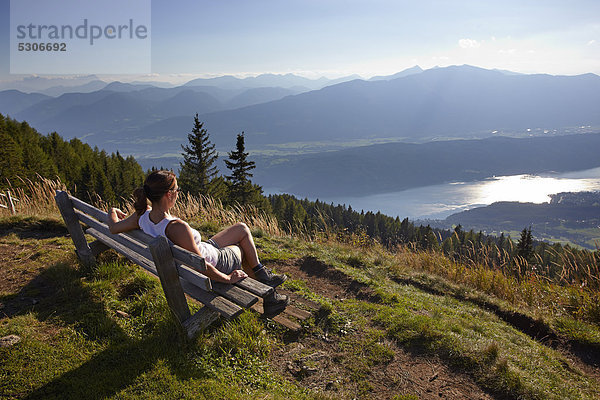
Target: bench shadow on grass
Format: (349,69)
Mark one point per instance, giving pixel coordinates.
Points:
(62,297)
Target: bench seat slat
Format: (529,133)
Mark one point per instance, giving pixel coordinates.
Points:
(140,236)
(195,277)
(255,287)
(235,294)
(225,307)
(102,228)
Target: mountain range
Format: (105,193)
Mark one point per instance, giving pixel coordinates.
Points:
(413,105)
(438,103)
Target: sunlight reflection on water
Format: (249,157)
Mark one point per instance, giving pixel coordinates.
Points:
(528,188)
(439,201)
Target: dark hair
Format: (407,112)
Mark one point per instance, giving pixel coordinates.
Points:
(155,186)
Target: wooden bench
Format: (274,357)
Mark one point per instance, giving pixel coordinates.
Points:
(179,270)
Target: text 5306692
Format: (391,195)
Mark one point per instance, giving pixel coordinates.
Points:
(34,46)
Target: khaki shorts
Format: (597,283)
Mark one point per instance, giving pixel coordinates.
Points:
(229,260)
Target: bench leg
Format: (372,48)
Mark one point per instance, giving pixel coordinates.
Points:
(81,245)
(98,247)
(200,321)
(169,278)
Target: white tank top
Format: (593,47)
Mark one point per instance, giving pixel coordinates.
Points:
(209,252)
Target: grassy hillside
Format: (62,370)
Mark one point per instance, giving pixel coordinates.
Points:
(400,325)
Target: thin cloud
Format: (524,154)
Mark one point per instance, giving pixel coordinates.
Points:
(469,43)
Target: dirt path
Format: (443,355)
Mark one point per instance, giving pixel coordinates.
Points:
(321,362)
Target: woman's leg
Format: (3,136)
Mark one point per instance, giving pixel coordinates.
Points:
(240,235)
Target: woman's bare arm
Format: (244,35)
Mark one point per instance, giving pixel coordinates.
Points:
(180,233)
(119,222)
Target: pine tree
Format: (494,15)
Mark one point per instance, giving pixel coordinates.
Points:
(241,189)
(525,244)
(198,168)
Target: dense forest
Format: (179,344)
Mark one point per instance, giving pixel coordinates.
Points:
(87,172)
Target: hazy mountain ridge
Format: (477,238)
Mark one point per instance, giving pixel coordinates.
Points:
(449,102)
(410,71)
(461,101)
(76,114)
(13,101)
(31,84)
(287,81)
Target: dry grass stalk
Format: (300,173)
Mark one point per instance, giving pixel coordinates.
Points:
(35,198)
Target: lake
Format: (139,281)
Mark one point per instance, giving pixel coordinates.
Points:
(439,201)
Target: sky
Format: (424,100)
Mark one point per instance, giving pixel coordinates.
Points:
(335,38)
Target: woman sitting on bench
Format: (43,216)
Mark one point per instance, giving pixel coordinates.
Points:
(230,255)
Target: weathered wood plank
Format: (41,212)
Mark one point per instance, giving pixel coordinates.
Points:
(200,321)
(297,313)
(125,241)
(169,278)
(291,325)
(180,254)
(235,294)
(311,305)
(98,247)
(279,318)
(220,304)
(140,236)
(124,250)
(188,258)
(290,310)
(72,222)
(255,287)
(194,277)
(89,209)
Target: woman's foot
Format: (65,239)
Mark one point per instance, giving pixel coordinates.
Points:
(275,303)
(268,278)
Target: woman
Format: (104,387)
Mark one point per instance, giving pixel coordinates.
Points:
(230,255)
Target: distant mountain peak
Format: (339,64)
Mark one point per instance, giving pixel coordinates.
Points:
(409,71)
(287,81)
